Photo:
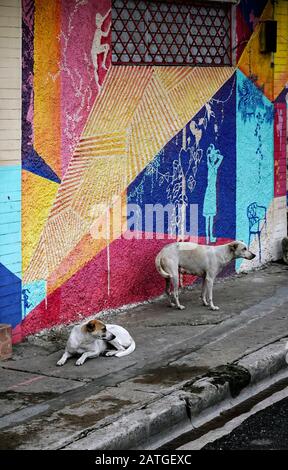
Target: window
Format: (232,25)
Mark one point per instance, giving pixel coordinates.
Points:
(163,33)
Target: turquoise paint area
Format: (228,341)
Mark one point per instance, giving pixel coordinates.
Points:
(32,294)
(10,245)
(10,218)
(255,155)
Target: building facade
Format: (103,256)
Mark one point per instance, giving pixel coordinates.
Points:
(127,108)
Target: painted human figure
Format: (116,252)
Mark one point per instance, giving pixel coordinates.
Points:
(214,160)
(97,47)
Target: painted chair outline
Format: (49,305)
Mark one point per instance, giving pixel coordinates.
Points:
(256,214)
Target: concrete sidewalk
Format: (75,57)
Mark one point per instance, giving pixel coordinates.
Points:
(43,406)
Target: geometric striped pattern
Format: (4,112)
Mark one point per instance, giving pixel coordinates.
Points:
(105,179)
(120,96)
(60,235)
(104,145)
(66,191)
(137,112)
(88,246)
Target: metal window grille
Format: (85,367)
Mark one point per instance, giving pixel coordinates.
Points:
(162,33)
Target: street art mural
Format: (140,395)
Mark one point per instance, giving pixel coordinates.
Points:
(257,218)
(61,77)
(187,171)
(214,160)
(10,245)
(248,15)
(255,187)
(98,138)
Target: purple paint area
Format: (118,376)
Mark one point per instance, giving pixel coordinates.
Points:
(283,96)
(27,77)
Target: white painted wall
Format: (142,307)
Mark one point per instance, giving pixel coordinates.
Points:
(10,82)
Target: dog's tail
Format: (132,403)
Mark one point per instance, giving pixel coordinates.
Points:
(128,350)
(159,267)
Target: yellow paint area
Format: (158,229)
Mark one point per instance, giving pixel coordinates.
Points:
(38,195)
(47,125)
(122,91)
(105,179)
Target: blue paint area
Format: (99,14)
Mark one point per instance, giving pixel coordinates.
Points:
(32,294)
(33,162)
(10,245)
(178,175)
(10,297)
(10,218)
(10,178)
(214,160)
(255,153)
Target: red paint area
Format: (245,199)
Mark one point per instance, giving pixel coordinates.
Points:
(280,149)
(243,33)
(133,278)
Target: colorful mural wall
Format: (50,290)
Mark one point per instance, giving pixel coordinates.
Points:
(98,139)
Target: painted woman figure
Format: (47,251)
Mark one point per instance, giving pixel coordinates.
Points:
(214,160)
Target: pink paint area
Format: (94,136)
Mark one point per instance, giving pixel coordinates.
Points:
(130,275)
(78,86)
(280,149)
(28,382)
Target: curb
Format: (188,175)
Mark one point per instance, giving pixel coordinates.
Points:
(172,415)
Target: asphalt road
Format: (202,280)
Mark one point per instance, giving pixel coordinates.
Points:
(265,430)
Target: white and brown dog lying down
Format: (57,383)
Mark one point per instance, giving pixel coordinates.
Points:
(94,338)
(200,260)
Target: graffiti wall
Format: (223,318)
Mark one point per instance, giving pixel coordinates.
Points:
(102,144)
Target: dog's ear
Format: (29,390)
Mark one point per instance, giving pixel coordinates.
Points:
(90,326)
(233,246)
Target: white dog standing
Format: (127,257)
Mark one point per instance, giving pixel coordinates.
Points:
(200,260)
(95,338)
